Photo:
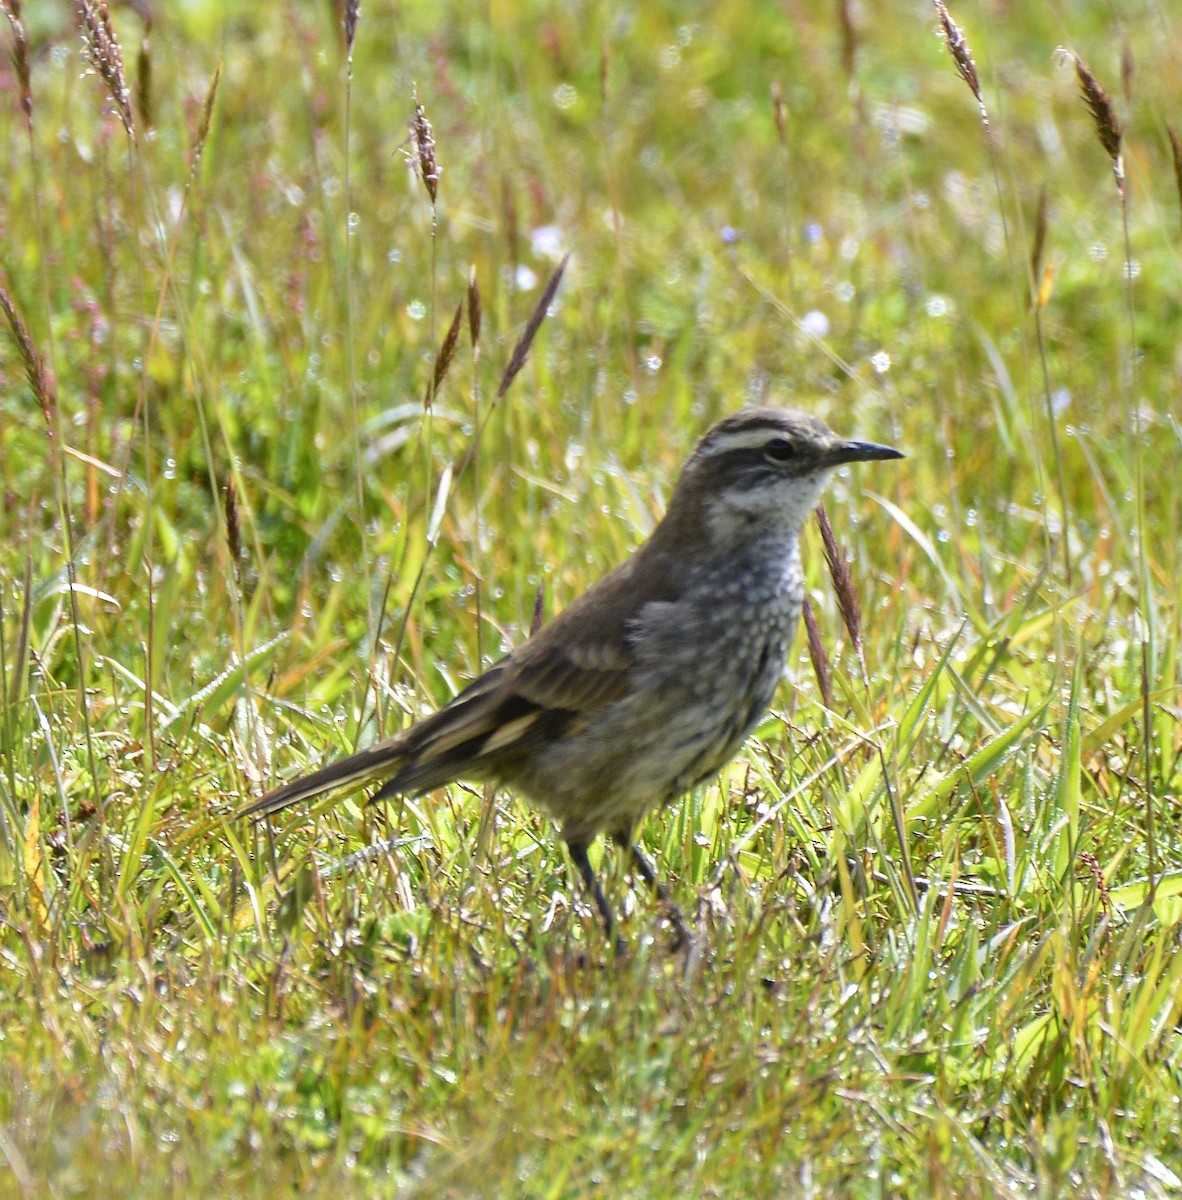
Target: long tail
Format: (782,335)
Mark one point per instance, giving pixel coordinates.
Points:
(368,764)
(482,726)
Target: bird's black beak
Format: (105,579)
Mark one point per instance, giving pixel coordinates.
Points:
(848,452)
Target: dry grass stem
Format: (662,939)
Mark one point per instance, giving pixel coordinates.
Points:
(512,225)
(849,36)
(40,377)
(780,113)
(1040,237)
(1108,128)
(818,655)
(521,350)
(1176,149)
(423,140)
(843,582)
(447,351)
(352,16)
(102,49)
(959,49)
(20,56)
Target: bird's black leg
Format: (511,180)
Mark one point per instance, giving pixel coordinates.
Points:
(648,873)
(578,854)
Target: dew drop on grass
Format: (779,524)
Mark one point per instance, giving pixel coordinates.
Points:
(815,323)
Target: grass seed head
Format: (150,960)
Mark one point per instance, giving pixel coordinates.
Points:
(39,376)
(20,56)
(961,56)
(102,50)
(521,350)
(447,351)
(423,140)
(474,311)
(1108,127)
(1040,236)
(843,582)
(817,654)
(352,16)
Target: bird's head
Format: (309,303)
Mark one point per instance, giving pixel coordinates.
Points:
(762,470)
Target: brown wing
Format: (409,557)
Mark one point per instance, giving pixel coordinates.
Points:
(534,696)
(541,693)
(546,689)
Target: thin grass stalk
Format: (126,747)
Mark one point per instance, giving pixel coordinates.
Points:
(1176,155)
(780,119)
(352,15)
(44,388)
(124,457)
(422,158)
(517,359)
(1040,295)
(475,312)
(851,616)
(966,67)
(8,823)
(1111,134)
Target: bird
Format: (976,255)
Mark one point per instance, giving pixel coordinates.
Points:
(652,679)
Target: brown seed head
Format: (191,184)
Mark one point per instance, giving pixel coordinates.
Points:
(521,350)
(352,16)
(143,80)
(817,654)
(959,49)
(474,311)
(207,113)
(20,56)
(849,36)
(40,377)
(447,351)
(101,47)
(423,140)
(1176,148)
(843,582)
(233,531)
(1108,128)
(780,113)
(1040,235)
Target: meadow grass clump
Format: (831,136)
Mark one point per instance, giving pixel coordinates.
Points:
(263,498)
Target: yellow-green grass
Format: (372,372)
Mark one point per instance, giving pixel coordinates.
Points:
(416,999)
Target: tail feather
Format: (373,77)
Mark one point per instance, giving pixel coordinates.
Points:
(357,768)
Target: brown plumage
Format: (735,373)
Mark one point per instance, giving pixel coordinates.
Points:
(651,680)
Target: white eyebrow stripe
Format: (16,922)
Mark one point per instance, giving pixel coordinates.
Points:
(754,438)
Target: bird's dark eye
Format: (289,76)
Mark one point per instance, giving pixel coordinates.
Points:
(779,450)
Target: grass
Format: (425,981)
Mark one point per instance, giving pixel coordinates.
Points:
(416,1000)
